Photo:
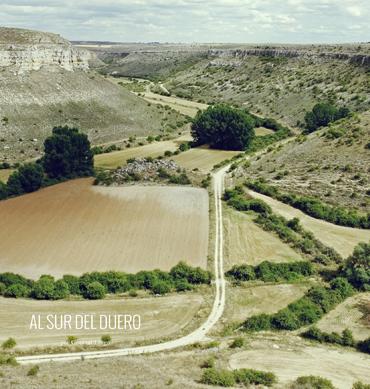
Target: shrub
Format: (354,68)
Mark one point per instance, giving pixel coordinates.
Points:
(94,291)
(322,114)
(8,360)
(28,178)
(237,343)
(71,339)
(8,344)
(161,287)
(223,127)
(181,179)
(314,333)
(364,346)
(3,191)
(17,290)
(2,288)
(360,385)
(33,370)
(312,382)
(208,363)
(242,273)
(254,377)
(260,322)
(215,377)
(106,339)
(357,267)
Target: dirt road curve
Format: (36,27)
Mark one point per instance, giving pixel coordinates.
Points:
(197,335)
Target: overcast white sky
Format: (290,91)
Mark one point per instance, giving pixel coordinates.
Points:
(294,21)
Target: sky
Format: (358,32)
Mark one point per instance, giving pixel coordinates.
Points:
(239,21)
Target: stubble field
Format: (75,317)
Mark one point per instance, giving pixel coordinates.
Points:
(74,227)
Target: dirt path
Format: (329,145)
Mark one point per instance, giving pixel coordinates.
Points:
(197,335)
(342,239)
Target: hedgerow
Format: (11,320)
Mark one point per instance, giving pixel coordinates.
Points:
(95,285)
(271,272)
(313,206)
(307,310)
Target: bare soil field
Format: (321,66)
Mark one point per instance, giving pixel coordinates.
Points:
(202,158)
(119,158)
(160,317)
(75,227)
(342,239)
(290,358)
(4,174)
(245,301)
(354,313)
(245,242)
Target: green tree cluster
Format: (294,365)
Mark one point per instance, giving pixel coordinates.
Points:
(223,127)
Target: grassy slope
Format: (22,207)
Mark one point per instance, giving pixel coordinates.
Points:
(37,101)
(334,170)
(281,88)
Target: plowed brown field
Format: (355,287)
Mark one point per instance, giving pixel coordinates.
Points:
(75,227)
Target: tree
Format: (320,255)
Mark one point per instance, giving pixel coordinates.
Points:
(67,154)
(16,290)
(357,267)
(223,127)
(43,289)
(95,291)
(28,178)
(322,114)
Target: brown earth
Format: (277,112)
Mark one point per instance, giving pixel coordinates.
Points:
(75,227)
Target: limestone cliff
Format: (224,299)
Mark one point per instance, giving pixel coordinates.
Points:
(25,50)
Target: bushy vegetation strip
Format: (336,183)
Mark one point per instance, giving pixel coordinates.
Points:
(95,285)
(344,339)
(271,272)
(289,231)
(313,206)
(307,310)
(244,377)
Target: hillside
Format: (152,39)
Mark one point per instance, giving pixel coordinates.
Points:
(45,81)
(281,82)
(331,164)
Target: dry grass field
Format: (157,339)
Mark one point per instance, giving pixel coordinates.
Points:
(261,131)
(4,174)
(353,313)
(245,242)
(160,317)
(342,239)
(75,227)
(202,158)
(291,357)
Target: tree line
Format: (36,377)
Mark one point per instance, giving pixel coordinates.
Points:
(67,155)
(96,285)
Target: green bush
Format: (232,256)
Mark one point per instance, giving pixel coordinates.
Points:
(357,267)
(254,377)
(33,370)
(215,377)
(2,288)
(237,343)
(28,178)
(8,344)
(17,290)
(322,114)
(161,287)
(181,179)
(364,346)
(106,339)
(223,127)
(312,382)
(345,339)
(261,322)
(3,191)
(360,385)
(95,291)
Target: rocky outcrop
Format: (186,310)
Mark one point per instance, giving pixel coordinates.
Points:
(23,50)
(240,54)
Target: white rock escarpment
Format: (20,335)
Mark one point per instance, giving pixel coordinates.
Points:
(22,51)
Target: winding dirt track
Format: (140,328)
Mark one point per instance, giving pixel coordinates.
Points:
(197,335)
